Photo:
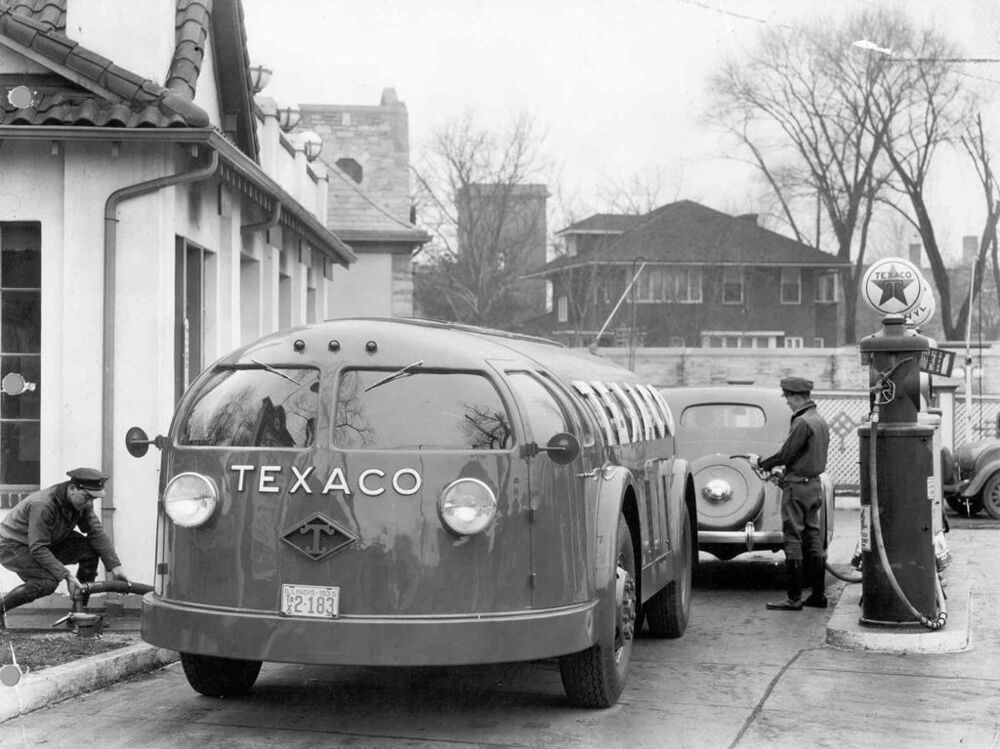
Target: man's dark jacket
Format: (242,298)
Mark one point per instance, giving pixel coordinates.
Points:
(45,519)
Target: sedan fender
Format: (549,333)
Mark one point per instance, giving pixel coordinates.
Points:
(983,474)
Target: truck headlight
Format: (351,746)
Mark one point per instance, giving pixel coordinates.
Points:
(190,499)
(467,506)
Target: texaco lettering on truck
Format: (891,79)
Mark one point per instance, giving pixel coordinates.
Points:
(401,493)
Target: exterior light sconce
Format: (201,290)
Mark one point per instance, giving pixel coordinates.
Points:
(260,77)
(288,118)
(312,144)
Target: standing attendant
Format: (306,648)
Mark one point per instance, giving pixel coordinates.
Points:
(38,538)
(804,457)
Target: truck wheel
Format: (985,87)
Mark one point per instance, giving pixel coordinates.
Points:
(595,677)
(219,677)
(991,496)
(669,609)
(966,507)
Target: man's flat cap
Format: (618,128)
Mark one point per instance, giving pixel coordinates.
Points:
(796,385)
(90,479)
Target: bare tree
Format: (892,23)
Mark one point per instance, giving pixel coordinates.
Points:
(852,128)
(974,141)
(919,108)
(801,109)
(473,187)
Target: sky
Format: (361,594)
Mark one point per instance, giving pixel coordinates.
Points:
(618,87)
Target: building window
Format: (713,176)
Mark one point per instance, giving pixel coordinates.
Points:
(352,169)
(793,341)
(563,309)
(20,352)
(194,293)
(732,286)
(826,288)
(739,339)
(819,342)
(680,285)
(791,286)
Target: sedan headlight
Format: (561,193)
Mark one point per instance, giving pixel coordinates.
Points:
(190,499)
(467,506)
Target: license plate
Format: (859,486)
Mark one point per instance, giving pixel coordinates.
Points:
(315,601)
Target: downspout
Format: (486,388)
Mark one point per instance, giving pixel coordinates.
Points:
(267,224)
(110,257)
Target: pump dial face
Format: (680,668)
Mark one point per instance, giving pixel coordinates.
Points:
(893,286)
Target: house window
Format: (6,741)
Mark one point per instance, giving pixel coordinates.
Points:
(819,343)
(681,285)
(563,309)
(732,286)
(791,286)
(352,169)
(793,341)
(826,288)
(20,352)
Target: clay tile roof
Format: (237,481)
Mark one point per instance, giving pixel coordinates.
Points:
(39,25)
(49,13)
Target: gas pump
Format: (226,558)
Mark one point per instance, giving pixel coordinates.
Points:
(900,585)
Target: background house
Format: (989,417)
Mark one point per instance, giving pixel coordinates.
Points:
(152,218)
(707,279)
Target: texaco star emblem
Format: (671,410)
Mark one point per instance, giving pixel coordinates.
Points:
(893,286)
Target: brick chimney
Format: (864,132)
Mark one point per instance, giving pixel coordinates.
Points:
(915,252)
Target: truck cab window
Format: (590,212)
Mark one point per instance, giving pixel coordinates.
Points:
(545,416)
(414,409)
(260,406)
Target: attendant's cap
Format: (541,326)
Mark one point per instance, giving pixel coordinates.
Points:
(796,385)
(90,480)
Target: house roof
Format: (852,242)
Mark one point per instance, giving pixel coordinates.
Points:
(602,223)
(359,219)
(89,90)
(689,233)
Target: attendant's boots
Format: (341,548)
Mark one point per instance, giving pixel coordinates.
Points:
(816,577)
(793,571)
(14,598)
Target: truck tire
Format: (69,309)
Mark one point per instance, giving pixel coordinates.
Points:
(669,610)
(219,677)
(595,677)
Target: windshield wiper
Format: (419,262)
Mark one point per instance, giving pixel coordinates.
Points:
(271,369)
(395,375)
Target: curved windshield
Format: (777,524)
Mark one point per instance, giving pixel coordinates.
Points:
(262,406)
(412,409)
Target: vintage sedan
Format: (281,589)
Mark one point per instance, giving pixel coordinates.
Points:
(737,510)
(974,474)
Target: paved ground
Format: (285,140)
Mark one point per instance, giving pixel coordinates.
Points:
(741,677)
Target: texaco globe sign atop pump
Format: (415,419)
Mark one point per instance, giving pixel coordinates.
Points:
(893,286)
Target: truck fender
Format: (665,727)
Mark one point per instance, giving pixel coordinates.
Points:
(613,484)
(679,484)
(982,476)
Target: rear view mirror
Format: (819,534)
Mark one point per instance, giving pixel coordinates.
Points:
(563,448)
(137,442)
